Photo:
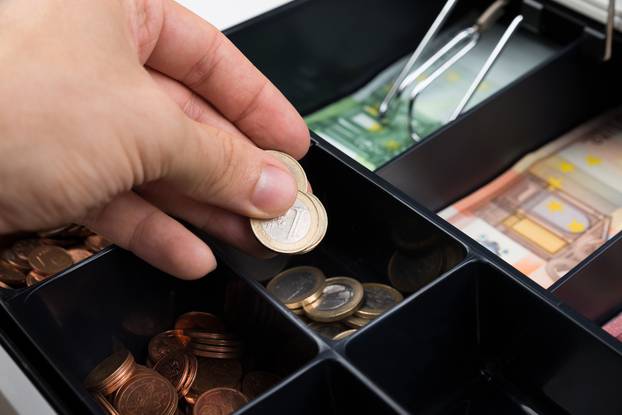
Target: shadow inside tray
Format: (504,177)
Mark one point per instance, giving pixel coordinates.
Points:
(119,301)
(325,388)
(478,342)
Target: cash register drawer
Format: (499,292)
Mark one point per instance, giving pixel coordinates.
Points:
(479,339)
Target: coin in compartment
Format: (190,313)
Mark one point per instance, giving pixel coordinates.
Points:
(24,247)
(356,322)
(96,243)
(222,401)
(340,298)
(147,394)
(49,260)
(297,286)
(214,373)
(410,272)
(179,368)
(78,254)
(344,334)
(11,276)
(377,299)
(164,343)
(199,320)
(110,373)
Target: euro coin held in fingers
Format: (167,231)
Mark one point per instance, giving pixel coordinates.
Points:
(302,227)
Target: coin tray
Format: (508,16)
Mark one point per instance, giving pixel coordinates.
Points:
(479,339)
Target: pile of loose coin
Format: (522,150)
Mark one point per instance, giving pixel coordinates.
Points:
(336,306)
(303,226)
(36,257)
(191,369)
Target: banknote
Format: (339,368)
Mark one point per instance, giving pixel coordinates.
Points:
(555,206)
(351,124)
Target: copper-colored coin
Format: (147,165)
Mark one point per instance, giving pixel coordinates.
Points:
(214,373)
(49,260)
(219,401)
(191,376)
(3,285)
(78,254)
(104,378)
(175,368)
(215,342)
(10,258)
(52,233)
(213,348)
(11,275)
(146,395)
(96,243)
(164,343)
(256,383)
(24,247)
(196,334)
(199,320)
(216,355)
(107,406)
(33,278)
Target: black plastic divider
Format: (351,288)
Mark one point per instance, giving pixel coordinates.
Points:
(119,301)
(479,341)
(488,139)
(594,288)
(327,387)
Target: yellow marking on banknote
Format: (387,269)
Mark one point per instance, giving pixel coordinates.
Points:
(374,128)
(371,110)
(511,220)
(554,182)
(392,144)
(555,206)
(566,167)
(593,160)
(539,235)
(453,76)
(576,227)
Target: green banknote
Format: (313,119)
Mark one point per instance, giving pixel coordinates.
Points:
(351,124)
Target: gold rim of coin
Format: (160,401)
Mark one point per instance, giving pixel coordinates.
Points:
(299,244)
(288,286)
(294,167)
(344,334)
(323,223)
(373,308)
(356,322)
(331,306)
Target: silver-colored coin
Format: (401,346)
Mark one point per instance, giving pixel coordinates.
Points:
(378,298)
(297,286)
(291,233)
(328,330)
(340,298)
(294,167)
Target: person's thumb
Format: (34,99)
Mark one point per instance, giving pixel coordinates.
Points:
(212,166)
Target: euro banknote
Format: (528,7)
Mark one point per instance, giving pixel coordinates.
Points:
(555,206)
(351,124)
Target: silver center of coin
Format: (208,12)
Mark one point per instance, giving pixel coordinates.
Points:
(335,296)
(377,298)
(289,288)
(292,226)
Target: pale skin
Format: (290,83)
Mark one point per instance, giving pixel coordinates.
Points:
(125,114)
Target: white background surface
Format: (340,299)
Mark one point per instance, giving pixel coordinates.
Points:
(17,394)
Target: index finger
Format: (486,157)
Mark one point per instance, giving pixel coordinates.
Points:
(197,54)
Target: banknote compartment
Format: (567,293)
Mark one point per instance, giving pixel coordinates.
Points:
(478,339)
(594,288)
(119,301)
(327,387)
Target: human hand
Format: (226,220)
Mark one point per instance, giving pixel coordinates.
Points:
(115,114)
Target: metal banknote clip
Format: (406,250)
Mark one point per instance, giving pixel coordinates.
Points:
(488,64)
(410,72)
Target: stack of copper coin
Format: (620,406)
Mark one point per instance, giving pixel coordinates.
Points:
(213,384)
(36,257)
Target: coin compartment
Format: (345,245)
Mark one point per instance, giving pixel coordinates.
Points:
(327,387)
(367,226)
(118,301)
(477,341)
(594,288)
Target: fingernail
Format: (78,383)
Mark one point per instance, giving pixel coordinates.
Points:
(275,190)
